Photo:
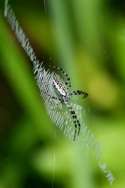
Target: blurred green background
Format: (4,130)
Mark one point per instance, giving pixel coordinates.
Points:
(87,38)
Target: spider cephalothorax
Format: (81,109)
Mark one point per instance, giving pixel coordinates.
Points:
(61,89)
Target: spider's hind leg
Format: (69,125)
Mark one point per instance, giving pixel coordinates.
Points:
(77,127)
(76,122)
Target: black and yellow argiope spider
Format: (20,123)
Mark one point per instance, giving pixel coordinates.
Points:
(63,92)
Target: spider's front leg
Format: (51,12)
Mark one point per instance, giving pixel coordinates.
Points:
(76,122)
(79,93)
(65,75)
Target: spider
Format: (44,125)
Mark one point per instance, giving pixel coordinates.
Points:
(64,93)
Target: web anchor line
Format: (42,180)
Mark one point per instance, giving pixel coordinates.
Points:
(57,93)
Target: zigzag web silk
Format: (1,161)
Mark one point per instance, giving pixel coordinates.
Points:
(57,111)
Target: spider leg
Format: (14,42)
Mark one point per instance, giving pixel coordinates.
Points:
(75,133)
(66,76)
(79,92)
(76,122)
(55,98)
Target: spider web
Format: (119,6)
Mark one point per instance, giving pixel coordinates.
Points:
(62,118)
(57,111)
